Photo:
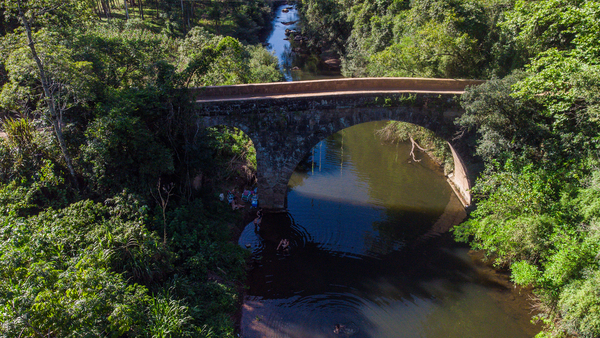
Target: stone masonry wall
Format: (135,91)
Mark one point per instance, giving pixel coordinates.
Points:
(285,129)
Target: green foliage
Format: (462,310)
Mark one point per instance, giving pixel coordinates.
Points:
(21,149)
(589,199)
(123,144)
(579,306)
(538,26)
(167,318)
(205,261)
(524,273)
(56,274)
(214,60)
(435,146)
(538,199)
(263,65)
(512,220)
(418,38)
(122,58)
(77,270)
(250,19)
(201,242)
(53,13)
(560,82)
(432,49)
(91,262)
(71,80)
(29,160)
(506,125)
(325,22)
(231,153)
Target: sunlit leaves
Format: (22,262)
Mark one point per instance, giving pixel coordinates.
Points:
(167,318)
(425,38)
(512,220)
(433,50)
(541,215)
(579,306)
(540,25)
(562,83)
(70,82)
(505,124)
(263,66)
(57,13)
(57,277)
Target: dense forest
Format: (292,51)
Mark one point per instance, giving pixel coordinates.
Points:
(535,125)
(109,220)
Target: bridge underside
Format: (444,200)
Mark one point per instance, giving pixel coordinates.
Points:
(284,130)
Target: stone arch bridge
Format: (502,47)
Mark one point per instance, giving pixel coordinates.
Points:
(286,120)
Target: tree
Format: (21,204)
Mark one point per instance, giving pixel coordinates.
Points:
(28,13)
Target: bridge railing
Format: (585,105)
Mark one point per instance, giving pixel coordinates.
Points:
(335,85)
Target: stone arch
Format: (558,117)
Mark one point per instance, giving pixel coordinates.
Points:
(285,129)
(279,153)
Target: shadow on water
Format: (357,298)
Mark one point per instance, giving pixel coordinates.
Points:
(277,275)
(370,250)
(305,293)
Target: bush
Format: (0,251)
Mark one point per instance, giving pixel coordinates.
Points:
(122,153)
(579,306)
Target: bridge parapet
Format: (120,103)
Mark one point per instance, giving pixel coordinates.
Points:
(337,86)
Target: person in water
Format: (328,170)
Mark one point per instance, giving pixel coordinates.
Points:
(344,330)
(339,329)
(257,222)
(284,245)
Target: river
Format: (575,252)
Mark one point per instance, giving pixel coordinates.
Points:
(370,248)
(294,65)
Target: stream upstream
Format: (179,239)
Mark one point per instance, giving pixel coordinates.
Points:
(294,65)
(370,249)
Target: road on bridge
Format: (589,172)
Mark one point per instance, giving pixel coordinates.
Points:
(350,86)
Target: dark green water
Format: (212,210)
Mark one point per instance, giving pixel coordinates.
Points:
(370,251)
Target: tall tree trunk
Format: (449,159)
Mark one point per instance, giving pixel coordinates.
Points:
(108,5)
(182,14)
(106,8)
(141,10)
(126,10)
(49,97)
(157,9)
(188,17)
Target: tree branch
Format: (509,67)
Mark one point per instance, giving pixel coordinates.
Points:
(412,150)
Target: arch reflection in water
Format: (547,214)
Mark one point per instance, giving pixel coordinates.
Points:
(364,254)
